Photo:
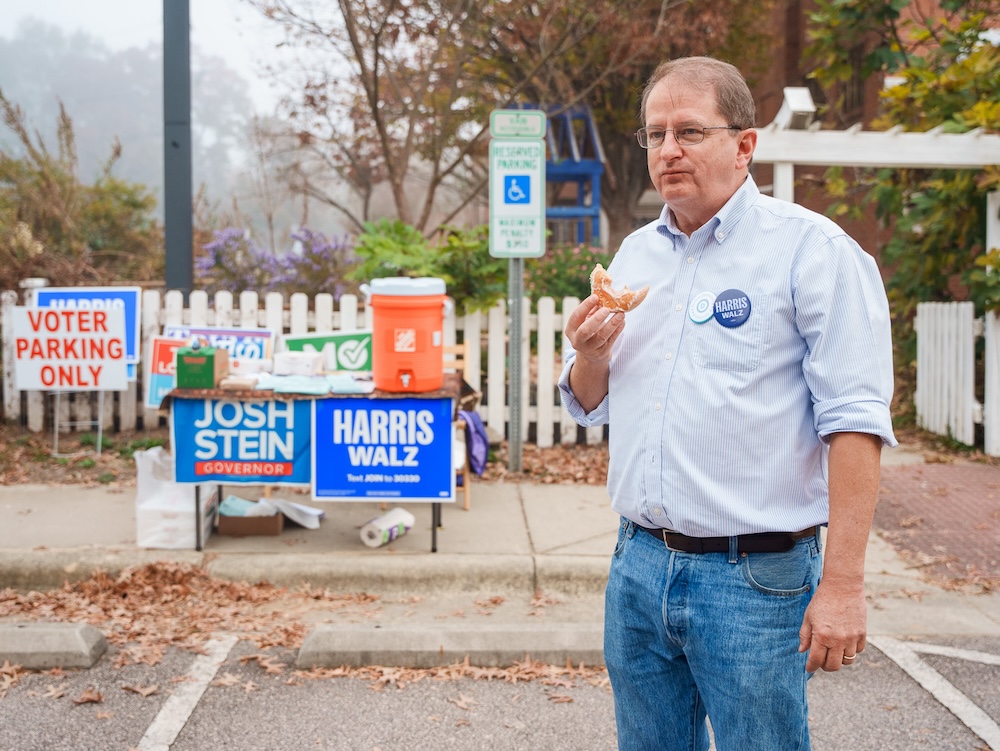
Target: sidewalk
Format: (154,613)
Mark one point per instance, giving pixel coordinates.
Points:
(517,540)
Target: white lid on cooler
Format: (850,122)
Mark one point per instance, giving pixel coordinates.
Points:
(405,286)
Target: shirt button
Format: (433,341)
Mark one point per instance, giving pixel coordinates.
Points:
(690,259)
(670,355)
(656,512)
(722,236)
(678,307)
(659,406)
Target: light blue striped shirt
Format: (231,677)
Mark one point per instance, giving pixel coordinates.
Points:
(724,431)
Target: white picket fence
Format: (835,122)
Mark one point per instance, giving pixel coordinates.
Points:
(946,373)
(485,335)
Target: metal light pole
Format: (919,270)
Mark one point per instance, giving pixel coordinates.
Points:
(177,190)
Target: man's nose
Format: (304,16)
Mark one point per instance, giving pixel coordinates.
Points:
(669,149)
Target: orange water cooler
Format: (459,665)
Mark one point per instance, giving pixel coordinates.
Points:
(407,332)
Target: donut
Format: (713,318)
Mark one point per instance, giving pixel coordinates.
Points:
(624,300)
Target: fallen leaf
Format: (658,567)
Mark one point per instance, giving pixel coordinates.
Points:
(103,715)
(560,699)
(54,692)
(8,669)
(145,691)
(227,679)
(463,702)
(89,696)
(558,682)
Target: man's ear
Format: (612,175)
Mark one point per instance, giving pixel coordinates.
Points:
(745,148)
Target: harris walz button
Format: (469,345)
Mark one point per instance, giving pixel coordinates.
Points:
(732,308)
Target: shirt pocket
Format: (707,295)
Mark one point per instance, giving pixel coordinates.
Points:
(737,350)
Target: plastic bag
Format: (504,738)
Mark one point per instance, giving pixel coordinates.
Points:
(164,509)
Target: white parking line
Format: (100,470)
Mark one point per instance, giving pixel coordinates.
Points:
(905,655)
(971,655)
(178,708)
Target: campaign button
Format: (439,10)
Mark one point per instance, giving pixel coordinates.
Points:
(700,309)
(732,308)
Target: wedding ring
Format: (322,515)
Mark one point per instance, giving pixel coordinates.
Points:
(848,658)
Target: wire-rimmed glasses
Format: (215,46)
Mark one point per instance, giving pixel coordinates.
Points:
(685,135)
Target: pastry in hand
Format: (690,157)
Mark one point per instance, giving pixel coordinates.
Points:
(623,300)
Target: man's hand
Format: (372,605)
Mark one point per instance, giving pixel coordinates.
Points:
(835,623)
(834,626)
(592,330)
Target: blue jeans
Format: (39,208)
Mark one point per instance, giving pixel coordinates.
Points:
(690,635)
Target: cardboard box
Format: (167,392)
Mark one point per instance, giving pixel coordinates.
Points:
(247,526)
(201,367)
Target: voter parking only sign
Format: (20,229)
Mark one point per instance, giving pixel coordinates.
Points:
(399,449)
(517,198)
(70,349)
(236,441)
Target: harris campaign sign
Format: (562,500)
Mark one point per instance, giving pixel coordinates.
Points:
(377,449)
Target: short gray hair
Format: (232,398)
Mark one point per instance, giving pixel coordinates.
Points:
(732,95)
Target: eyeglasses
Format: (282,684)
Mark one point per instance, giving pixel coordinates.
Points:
(686,135)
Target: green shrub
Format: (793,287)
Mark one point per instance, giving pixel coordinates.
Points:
(564,271)
(392,248)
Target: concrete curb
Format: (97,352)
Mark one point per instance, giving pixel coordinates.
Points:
(330,646)
(41,646)
(398,575)
(571,575)
(401,574)
(49,569)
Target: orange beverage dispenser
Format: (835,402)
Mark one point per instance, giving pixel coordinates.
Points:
(407,332)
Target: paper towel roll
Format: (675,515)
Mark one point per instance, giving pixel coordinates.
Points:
(386,528)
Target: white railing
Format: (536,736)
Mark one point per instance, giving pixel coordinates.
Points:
(485,336)
(946,373)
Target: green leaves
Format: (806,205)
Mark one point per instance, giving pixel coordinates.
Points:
(461,257)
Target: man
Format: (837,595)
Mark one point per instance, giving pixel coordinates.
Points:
(748,402)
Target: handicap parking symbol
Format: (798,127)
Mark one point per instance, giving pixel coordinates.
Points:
(517,189)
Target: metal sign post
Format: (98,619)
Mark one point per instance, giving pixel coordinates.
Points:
(517,228)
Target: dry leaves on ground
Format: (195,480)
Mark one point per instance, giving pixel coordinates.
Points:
(147,609)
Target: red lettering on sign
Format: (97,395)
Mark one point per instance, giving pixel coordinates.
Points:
(231,468)
(35,319)
(100,321)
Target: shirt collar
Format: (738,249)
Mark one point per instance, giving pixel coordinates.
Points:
(724,221)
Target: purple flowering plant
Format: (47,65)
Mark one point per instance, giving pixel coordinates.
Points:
(231,261)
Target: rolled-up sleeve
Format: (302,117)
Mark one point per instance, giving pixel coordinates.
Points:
(842,313)
(598,416)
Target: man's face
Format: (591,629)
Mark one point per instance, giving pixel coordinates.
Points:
(694,180)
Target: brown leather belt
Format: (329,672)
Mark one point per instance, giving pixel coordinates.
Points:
(761,542)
